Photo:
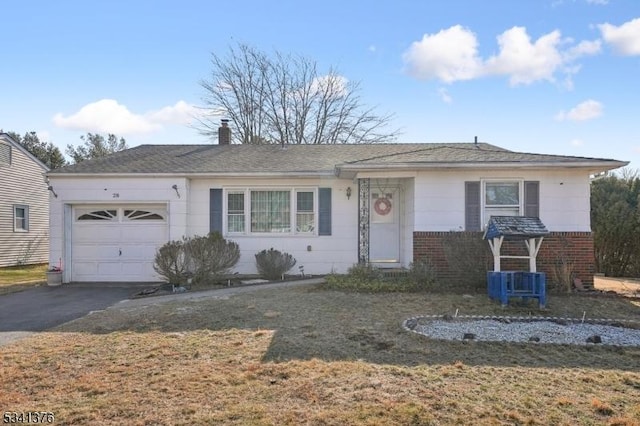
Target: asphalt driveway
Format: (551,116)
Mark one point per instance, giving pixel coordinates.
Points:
(40,308)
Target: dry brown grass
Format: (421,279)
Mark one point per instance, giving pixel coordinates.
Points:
(309,356)
(629,287)
(18,278)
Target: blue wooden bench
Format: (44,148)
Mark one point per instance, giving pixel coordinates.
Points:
(505,284)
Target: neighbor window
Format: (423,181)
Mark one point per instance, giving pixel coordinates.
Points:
(5,154)
(501,199)
(20,218)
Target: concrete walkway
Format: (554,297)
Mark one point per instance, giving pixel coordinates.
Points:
(217,293)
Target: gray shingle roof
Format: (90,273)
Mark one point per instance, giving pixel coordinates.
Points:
(307,159)
(515,227)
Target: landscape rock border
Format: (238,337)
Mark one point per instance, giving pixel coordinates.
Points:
(526,329)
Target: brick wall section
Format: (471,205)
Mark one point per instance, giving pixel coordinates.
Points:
(575,247)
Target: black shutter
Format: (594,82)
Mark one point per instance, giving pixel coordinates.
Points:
(472,206)
(215,210)
(532,198)
(324,211)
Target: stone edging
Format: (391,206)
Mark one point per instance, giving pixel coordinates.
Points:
(410,323)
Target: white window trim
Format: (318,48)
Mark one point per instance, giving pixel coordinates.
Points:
(26,217)
(293,190)
(483,187)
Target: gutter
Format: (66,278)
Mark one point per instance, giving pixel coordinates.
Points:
(350,171)
(195,175)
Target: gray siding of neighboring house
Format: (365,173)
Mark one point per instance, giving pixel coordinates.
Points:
(22,183)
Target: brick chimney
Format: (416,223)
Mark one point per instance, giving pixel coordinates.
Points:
(224,132)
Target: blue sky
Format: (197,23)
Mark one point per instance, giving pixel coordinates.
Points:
(549,76)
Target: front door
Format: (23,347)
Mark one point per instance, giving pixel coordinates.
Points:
(384,231)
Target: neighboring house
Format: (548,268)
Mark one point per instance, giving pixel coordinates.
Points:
(330,206)
(24,206)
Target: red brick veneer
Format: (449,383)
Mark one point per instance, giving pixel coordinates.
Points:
(575,247)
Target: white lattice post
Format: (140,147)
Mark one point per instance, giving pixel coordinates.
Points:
(496,244)
(533,246)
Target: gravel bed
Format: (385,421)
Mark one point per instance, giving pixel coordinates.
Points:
(542,331)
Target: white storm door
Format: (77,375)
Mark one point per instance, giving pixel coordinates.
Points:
(384,230)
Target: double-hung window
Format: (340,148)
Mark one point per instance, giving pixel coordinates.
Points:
(235,212)
(20,218)
(305,217)
(271,211)
(502,198)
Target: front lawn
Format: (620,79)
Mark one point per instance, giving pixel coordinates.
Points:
(17,278)
(309,355)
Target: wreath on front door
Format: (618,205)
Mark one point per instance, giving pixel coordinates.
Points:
(382,206)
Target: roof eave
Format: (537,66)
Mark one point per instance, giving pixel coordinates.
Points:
(303,174)
(350,171)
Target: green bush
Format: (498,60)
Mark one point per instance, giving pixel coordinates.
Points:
(366,278)
(202,258)
(366,272)
(172,262)
(470,257)
(422,274)
(273,264)
(211,256)
(360,285)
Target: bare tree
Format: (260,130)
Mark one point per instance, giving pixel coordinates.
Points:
(285,99)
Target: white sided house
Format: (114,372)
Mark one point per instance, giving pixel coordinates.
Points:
(330,206)
(24,206)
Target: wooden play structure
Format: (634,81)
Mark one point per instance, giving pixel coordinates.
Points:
(502,285)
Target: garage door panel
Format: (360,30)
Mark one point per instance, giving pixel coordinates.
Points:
(145,232)
(97,234)
(109,268)
(96,252)
(135,269)
(118,249)
(86,269)
(139,252)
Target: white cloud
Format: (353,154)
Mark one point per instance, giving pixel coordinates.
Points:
(523,61)
(587,110)
(577,142)
(180,113)
(109,116)
(583,48)
(599,2)
(452,54)
(625,39)
(331,83)
(449,55)
(444,95)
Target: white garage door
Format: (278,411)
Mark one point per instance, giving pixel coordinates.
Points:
(117,243)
